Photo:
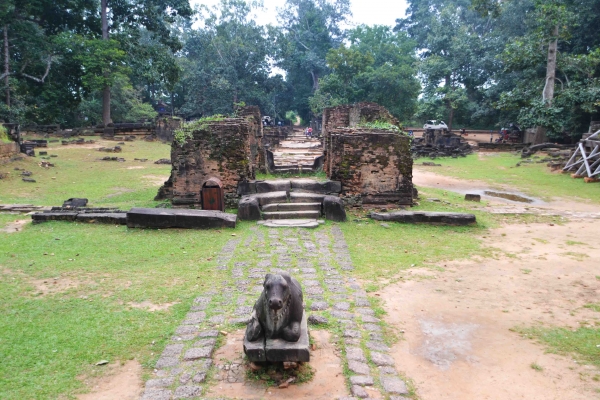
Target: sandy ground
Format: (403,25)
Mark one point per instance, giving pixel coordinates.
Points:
(122,382)
(328,381)
(15,226)
(458,342)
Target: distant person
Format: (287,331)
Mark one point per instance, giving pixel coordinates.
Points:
(309,132)
(462,131)
(410,133)
(491,136)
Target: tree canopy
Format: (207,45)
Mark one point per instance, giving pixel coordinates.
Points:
(473,63)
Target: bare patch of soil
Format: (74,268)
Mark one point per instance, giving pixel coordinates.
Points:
(50,286)
(328,382)
(123,382)
(136,167)
(149,306)
(458,343)
(15,226)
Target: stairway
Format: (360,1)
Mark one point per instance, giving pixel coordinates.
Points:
(297,153)
(287,199)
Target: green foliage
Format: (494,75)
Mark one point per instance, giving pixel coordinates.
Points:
(186,132)
(377,66)
(380,125)
(4,135)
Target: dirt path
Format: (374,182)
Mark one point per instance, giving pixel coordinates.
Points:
(457,323)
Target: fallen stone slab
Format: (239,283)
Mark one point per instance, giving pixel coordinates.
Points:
(53,216)
(103,218)
(268,198)
(333,208)
(174,218)
(441,218)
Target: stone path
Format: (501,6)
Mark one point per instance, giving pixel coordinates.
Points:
(320,260)
(297,152)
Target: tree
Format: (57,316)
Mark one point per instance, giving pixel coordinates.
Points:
(127,17)
(378,65)
(310,28)
(29,31)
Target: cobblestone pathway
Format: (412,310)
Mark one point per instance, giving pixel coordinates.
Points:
(320,260)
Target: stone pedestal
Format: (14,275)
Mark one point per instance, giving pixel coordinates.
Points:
(277,350)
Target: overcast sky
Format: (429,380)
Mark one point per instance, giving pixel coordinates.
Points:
(369,12)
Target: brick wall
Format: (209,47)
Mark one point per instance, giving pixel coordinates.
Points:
(374,165)
(219,149)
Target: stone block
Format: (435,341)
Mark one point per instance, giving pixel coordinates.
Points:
(473,197)
(273,186)
(245,188)
(356,354)
(306,197)
(439,218)
(269,198)
(156,394)
(198,352)
(281,350)
(359,391)
(393,385)
(53,216)
(179,218)
(248,209)
(333,208)
(358,367)
(313,186)
(361,380)
(255,351)
(317,320)
(187,392)
(103,218)
(381,359)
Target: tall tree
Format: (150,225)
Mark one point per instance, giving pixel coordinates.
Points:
(128,16)
(310,28)
(378,65)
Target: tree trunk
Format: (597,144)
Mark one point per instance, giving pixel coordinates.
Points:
(450,116)
(6,66)
(172,105)
(548,94)
(315,78)
(106,91)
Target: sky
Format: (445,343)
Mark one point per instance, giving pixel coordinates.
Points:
(368,12)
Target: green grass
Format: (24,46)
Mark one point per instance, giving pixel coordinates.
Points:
(534,179)
(79,173)
(61,335)
(582,343)
(593,306)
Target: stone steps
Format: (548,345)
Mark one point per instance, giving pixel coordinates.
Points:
(291,215)
(292,207)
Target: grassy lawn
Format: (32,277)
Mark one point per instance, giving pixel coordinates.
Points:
(79,173)
(582,343)
(54,330)
(534,179)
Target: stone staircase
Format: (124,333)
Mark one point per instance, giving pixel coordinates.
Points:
(297,153)
(287,199)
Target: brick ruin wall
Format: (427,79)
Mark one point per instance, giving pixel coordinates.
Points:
(222,149)
(374,166)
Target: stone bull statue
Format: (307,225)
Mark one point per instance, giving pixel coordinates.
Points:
(278,311)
